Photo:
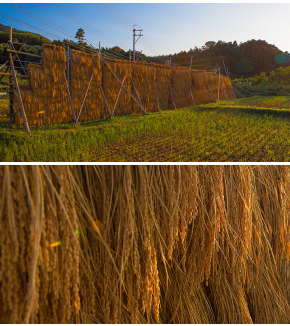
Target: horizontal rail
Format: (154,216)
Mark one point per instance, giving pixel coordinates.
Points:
(20,85)
(6,74)
(25,53)
(17,67)
(36,63)
(33,46)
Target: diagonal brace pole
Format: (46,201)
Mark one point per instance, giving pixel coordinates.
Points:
(84,99)
(119,94)
(156,97)
(211,91)
(19,96)
(192,97)
(123,85)
(71,103)
(104,98)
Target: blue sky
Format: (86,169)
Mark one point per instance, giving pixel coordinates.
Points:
(168,27)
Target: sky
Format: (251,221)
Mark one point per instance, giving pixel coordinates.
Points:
(168,28)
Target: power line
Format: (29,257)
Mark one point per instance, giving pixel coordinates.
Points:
(75,19)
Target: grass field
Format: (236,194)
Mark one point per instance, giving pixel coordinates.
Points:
(241,130)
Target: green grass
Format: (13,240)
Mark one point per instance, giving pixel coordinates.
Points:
(244,130)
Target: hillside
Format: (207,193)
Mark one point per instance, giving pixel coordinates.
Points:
(247,59)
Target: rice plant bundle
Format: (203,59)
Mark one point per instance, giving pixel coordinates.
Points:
(82,66)
(112,86)
(144,244)
(163,80)
(180,87)
(144,77)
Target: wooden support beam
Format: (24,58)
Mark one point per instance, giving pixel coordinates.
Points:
(231,91)
(118,95)
(121,84)
(20,85)
(156,97)
(219,82)
(71,103)
(205,90)
(84,99)
(25,53)
(104,98)
(211,91)
(192,97)
(172,99)
(19,96)
(20,76)
(138,96)
(224,91)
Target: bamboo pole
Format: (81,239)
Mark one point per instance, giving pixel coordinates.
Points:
(231,91)
(67,64)
(137,95)
(219,82)
(6,74)
(224,91)
(19,96)
(84,100)
(71,103)
(205,90)
(123,85)
(156,97)
(192,97)
(172,99)
(211,91)
(25,53)
(238,92)
(11,111)
(16,55)
(104,98)
(118,94)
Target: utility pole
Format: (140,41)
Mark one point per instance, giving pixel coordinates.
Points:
(11,112)
(134,38)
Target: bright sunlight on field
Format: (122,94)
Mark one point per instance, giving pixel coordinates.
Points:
(245,130)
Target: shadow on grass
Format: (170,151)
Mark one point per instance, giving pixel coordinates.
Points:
(275,113)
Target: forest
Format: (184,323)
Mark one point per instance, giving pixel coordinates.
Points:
(246,59)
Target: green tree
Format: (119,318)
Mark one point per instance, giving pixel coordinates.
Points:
(80,35)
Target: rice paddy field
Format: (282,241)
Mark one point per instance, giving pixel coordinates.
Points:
(244,130)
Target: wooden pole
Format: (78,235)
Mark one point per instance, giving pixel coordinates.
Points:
(192,97)
(11,112)
(138,96)
(84,100)
(224,90)
(16,55)
(156,97)
(19,96)
(211,91)
(130,55)
(123,85)
(231,91)
(118,94)
(172,99)
(67,65)
(25,53)
(71,103)
(190,63)
(104,98)
(219,82)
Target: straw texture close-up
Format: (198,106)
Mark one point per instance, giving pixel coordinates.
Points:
(144,244)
